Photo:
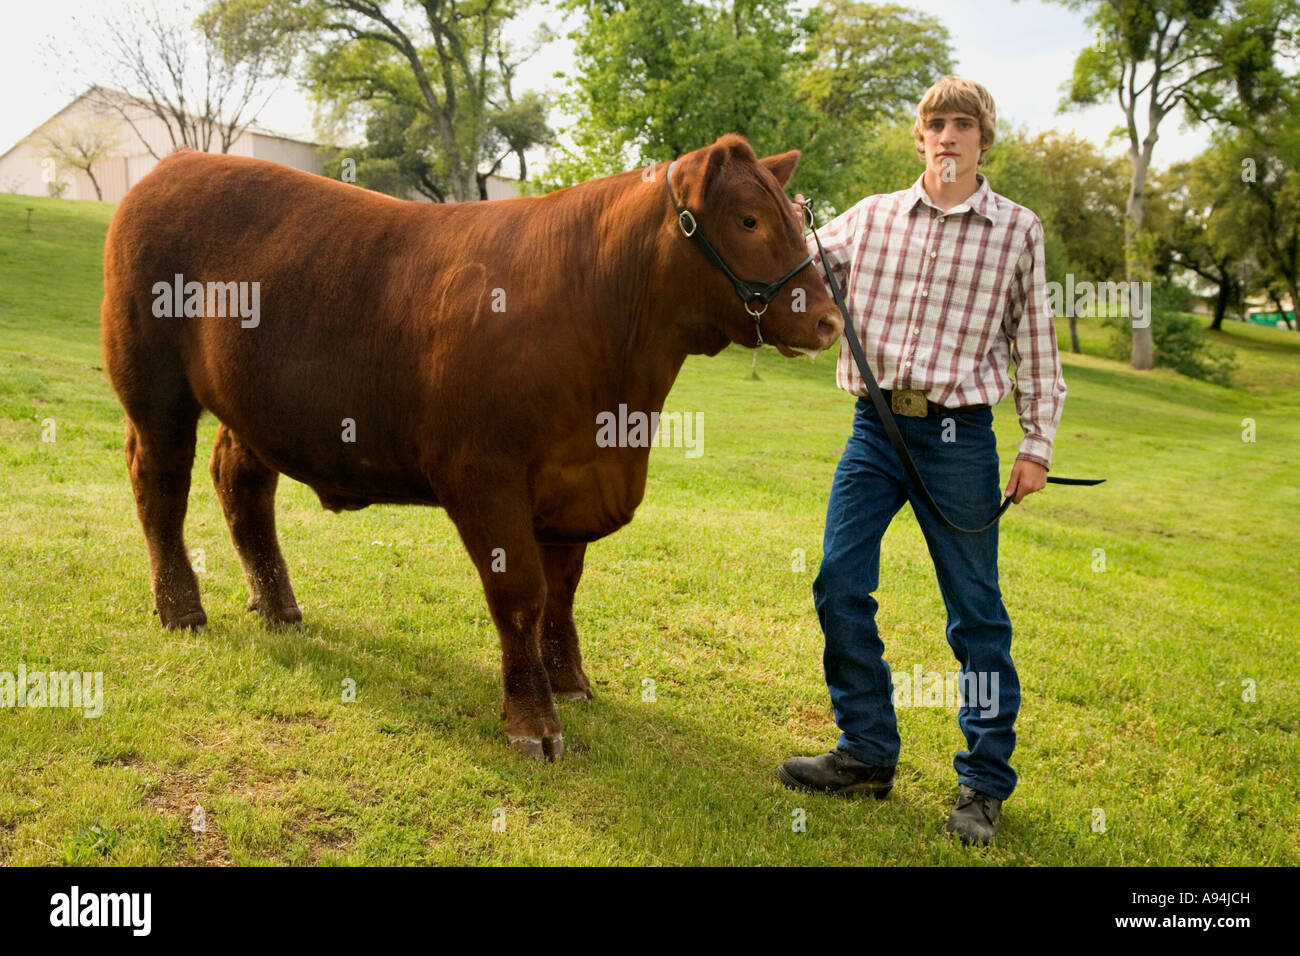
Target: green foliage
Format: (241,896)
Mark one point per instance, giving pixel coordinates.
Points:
(1180,339)
(394,158)
(1085,203)
(654,79)
(867,69)
(1216,60)
(518,124)
(1265,194)
(1232,214)
(428,84)
(248,31)
(1193,212)
(884,161)
(870,61)
(89,842)
(657,78)
(1171,297)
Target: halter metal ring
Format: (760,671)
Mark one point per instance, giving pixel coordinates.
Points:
(757,314)
(682,218)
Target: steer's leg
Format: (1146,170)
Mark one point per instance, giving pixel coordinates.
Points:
(246,488)
(563,564)
(496,526)
(159,456)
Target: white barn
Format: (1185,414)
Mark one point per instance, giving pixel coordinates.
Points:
(23,169)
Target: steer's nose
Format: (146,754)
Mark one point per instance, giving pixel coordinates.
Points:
(829,327)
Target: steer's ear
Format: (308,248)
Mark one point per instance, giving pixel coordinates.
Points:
(782,166)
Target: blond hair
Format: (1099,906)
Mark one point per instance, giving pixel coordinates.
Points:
(958,95)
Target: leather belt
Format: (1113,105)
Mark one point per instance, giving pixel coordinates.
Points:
(908,404)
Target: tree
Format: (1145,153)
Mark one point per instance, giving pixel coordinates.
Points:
(1268,185)
(1078,193)
(433,80)
(655,79)
(886,157)
(1086,203)
(80,143)
(870,61)
(1200,228)
(203,79)
(1212,58)
(393,159)
(867,65)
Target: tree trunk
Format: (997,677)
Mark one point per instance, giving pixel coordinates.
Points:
(99,193)
(1143,355)
(1277,301)
(1220,305)
(1074,334)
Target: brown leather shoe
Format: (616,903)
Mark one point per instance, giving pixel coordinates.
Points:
(836,772)
(975,817)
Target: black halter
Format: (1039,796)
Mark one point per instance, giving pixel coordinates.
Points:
(749,292)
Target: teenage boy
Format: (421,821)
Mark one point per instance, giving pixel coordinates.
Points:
(945,283)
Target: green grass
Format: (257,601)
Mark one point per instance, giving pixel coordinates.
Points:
(1132,677)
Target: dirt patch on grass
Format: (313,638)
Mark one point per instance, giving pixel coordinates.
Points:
(191,799)
(811,721)
(187,798)
(280,729)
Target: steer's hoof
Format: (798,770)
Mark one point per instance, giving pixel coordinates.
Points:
(582,695)
(539,748)
(285,617)
(193,621)
(288,616)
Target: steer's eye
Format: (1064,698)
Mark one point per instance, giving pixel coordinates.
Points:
(750,222)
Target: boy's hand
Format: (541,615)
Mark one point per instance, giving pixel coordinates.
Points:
(1026,478)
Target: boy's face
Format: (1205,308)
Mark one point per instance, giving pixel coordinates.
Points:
(952,145)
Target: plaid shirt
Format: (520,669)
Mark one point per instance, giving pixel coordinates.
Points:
(944,301)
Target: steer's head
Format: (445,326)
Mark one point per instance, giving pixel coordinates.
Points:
(738,202)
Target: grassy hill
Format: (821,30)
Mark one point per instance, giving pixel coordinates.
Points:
(1144,611)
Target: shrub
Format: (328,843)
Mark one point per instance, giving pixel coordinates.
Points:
(1179,338)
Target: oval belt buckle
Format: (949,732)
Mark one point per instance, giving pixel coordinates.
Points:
(908,402)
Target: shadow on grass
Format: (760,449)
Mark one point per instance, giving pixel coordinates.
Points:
(1152,391)
(1228,335)
(651,782)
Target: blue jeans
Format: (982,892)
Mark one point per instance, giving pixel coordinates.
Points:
(869,488)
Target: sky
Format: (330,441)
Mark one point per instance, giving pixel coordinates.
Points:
(1023,51)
